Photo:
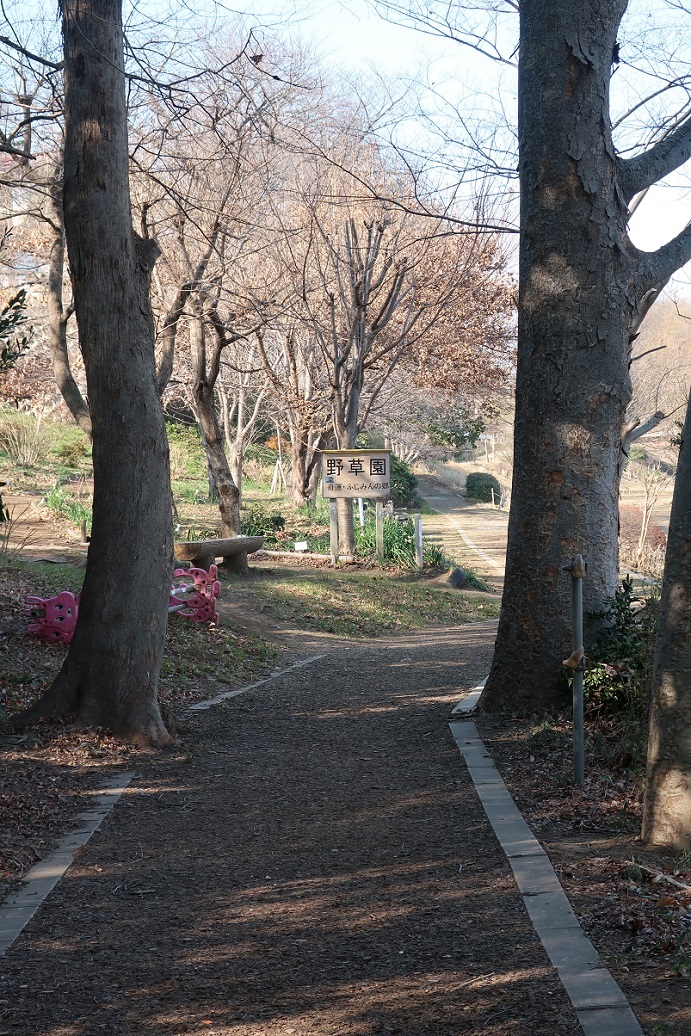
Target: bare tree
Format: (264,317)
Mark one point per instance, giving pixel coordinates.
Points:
(110,675)
(299,393)
(588,148)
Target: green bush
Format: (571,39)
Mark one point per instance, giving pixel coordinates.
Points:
(188,459)
(257,521)
(399,543)
(73,452)
(479,486)
(638,453)
(14,336)
(399,540)
(617,679)
(404,491)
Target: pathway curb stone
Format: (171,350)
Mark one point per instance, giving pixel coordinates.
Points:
(202,706)
(600,1005)
(18,909)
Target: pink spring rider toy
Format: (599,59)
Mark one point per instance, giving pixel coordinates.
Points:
(193,595)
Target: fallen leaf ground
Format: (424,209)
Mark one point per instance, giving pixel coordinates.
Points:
(266,876)
(634,902)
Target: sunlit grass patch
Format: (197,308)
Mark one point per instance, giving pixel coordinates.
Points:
(198,652)
(362,604)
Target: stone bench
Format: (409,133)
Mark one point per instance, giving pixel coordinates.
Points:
(234,551)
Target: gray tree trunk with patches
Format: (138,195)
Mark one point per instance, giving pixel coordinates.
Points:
(111,672)
(581,285)
(667,805)
(212,434)
(305,447)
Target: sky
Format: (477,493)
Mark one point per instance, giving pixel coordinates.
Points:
(350,35)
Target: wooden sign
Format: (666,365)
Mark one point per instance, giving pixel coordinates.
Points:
(356,473)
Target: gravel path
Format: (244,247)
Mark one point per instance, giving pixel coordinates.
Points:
(312,860)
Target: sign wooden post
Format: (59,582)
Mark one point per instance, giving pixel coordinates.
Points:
(356,474)
(333,530)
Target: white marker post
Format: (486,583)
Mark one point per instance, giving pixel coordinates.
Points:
(418,540)
(379,529)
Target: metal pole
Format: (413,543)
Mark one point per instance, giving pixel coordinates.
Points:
(578,570)
(333,530)
(418,540)
(379,529)
(361,511)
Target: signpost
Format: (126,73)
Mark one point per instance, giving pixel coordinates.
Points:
(356,473)
(578,569)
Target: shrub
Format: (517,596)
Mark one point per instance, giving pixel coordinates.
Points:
(404,491)
(638,453)
(73,452)
(399,540)
(187,455)
(24,440)
(257,521)
(617,679)
(479,486)
(399,543)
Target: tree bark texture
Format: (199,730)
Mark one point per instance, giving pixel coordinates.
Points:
(305,447)
(579,286)
(667,804)
(111,672)
(58,316)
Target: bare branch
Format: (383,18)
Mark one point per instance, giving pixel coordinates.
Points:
(657,267)
(636,174)
(56,66)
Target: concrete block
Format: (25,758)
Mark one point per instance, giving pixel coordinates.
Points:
(591,988)
(570,948)
(550,910)
(465,730)
(516,838)
(609,1021)
(498,803)
(534,875)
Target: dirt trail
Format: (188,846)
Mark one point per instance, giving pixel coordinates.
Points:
(314,861)
(34,533)
(474,535)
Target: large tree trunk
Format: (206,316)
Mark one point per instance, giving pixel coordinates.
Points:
(111,672)
(346,529)
(346,432)
(576,302)
(228,495)
(58,316)
(667,806)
